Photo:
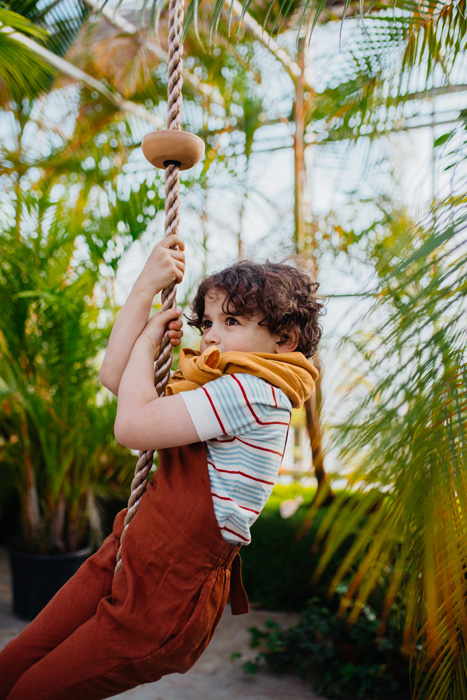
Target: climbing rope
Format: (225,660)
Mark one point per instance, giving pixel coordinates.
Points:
(172,219)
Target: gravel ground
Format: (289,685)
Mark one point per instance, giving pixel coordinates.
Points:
(213,677)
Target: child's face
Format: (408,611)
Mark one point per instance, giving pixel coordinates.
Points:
(239,333)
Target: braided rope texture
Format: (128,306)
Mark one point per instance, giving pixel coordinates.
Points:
(172,220)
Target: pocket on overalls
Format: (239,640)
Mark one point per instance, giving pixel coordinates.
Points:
(194,632)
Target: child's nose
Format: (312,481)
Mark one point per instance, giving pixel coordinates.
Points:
(211,336)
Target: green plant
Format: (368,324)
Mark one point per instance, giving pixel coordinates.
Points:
(340,661)
(406,434)
(56,443)
(279,563)
(22,73)
(58,251)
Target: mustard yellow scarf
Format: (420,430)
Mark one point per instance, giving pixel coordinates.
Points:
(289,371)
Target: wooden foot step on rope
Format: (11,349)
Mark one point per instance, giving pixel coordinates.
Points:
(173,150)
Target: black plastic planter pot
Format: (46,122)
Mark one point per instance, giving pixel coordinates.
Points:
(37,577)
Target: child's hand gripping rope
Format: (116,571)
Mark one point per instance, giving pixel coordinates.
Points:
(154,329)
(165,265)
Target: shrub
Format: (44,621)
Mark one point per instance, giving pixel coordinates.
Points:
(340,661)
(280,561)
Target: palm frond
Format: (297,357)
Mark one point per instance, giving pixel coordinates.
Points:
(406,442)
(21,74)
(62,19)
(386,67)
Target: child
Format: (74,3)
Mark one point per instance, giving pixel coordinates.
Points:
(221,431)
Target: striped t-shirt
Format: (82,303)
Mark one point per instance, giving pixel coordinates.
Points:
(244,421)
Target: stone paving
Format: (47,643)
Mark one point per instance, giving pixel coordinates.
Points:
(213,677)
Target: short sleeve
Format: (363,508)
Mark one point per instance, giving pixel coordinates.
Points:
(235,404)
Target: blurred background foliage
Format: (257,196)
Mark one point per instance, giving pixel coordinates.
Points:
(78,90)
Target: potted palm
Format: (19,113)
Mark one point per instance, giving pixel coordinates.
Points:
(56,440)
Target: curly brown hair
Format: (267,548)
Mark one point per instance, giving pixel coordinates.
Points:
(285,294)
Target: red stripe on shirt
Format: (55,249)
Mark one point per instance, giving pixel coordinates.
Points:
(248,444)
(274,396)
(247,476)
(257,447)
(272,422)
(237,534)
(225,498)
(215,412)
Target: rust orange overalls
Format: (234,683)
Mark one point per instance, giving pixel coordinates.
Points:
(100,635)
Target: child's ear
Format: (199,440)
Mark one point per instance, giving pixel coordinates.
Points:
(288,341)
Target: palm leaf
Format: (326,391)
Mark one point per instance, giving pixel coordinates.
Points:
(406,440)
(21,73)
(373,81)
(62,19)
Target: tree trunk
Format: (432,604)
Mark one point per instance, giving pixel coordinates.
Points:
(313,404)
(313,424)
(30,509)
(299,155)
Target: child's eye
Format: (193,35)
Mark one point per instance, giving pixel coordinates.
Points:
(205,325)
(231,321)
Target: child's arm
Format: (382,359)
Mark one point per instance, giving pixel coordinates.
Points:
(163,266)
(143,420)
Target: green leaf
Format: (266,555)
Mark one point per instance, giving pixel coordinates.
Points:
(443,138)
(427,248)
(251,667)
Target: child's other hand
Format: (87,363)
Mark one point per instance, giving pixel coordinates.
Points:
(154,329)
(164,265)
